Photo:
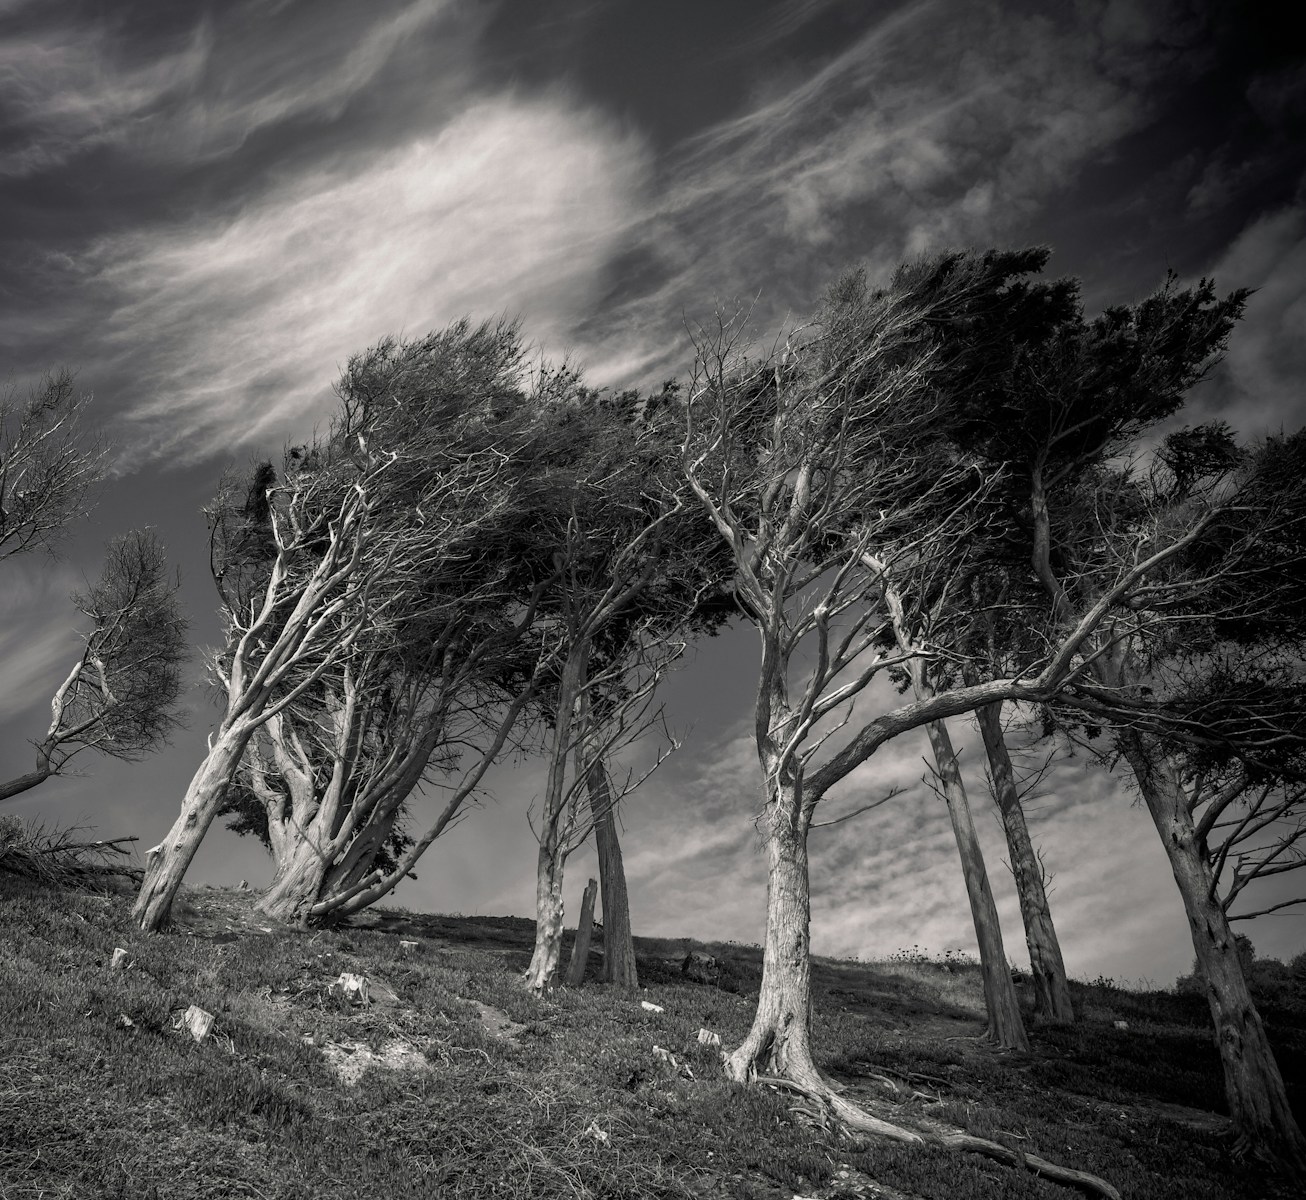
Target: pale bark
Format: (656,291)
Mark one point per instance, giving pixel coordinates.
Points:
(778,1042)
(619,966)
(1051,991)
(557,819)
(1005,1027)
(549,916)
(167,864)
(297,884)
(1253,1083)
(580,950)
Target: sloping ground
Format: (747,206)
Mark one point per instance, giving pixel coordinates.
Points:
(452,1082)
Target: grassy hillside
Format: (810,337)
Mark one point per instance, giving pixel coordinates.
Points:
(452,1082)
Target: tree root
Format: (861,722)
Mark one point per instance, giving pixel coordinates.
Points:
(832,1112)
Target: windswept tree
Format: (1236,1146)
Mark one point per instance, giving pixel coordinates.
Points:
(398,511)
(121,697)
(810,463)
(636,564)
(1227,529)
(49,464)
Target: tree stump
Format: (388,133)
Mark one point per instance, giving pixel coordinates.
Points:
(580,952)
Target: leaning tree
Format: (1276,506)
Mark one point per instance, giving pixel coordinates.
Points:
(638,569)
(398,510)
(1069,424)
(121,696)
(859,419)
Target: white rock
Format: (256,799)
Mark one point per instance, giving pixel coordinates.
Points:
(198,1022)
(119,960)
(352,987)
(707,1038)
(648,1006)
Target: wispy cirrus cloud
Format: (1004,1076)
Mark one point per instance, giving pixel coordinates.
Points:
(234,328)
(934,127)
(68,87)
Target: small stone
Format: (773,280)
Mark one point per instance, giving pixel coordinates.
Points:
(352,987)
(707,1038)
(649,1006)
(198,1022)
(119,960)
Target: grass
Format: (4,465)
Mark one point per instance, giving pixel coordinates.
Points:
(101,1096)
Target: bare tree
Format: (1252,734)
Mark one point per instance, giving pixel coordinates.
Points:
(49,464)
(120,698)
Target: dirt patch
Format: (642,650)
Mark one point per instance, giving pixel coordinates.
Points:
(497,1024)
(350,1059)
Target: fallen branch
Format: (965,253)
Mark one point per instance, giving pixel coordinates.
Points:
(53,857)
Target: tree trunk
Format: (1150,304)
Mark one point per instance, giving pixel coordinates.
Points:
(618,942)
(580,951)
(557,822)
(167,865)
(297,884)
(1005,1029)
(1253,1084)
(779,1041)
(1051,991)
(548,923)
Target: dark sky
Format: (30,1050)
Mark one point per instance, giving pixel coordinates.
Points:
(205,209)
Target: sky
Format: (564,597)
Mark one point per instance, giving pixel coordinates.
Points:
(206,208)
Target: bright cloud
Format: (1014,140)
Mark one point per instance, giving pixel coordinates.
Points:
(236,330)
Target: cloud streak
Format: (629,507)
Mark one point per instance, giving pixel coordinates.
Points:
(232,329)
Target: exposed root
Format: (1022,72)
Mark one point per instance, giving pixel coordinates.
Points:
(820,1106)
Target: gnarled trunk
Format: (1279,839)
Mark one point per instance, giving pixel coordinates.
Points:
(548,923)
(1253,1084)
(1005,1028)
(166,866)
(778,1043)
(618,941)
(1051,991)
(297,884)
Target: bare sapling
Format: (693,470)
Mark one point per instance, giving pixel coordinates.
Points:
(121,696)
